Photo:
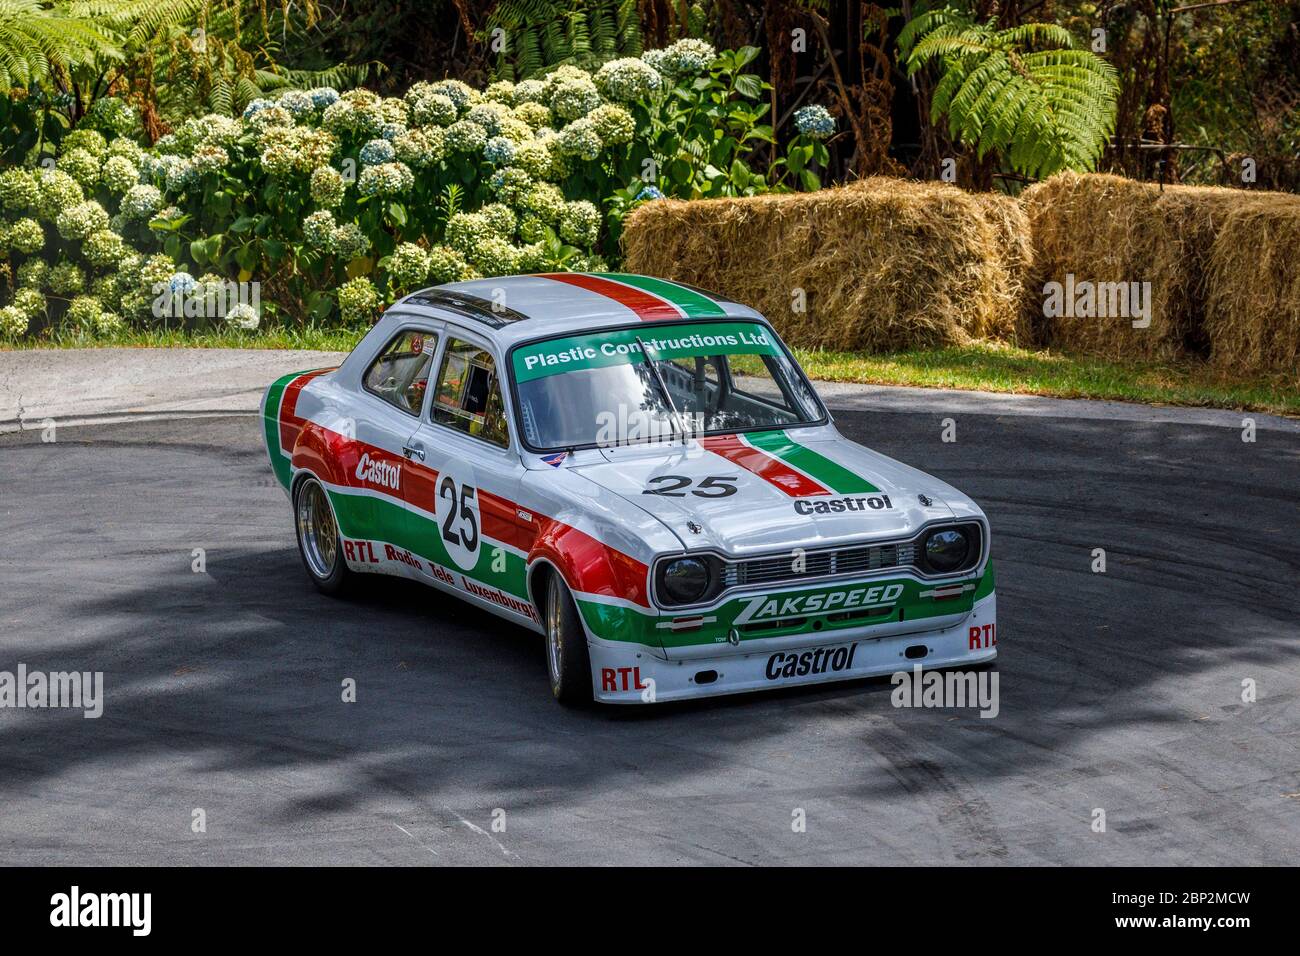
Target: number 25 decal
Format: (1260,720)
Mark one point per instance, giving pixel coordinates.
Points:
(714,486)
(460,527)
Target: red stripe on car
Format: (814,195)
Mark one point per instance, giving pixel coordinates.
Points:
(588,565)
(772,470)
(290,423)
(649,308)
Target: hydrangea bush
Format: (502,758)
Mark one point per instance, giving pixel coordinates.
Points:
(339,202)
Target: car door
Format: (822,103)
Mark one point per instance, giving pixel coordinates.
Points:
(469,509)
(378,472)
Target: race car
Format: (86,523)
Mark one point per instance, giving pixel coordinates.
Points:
(640,472)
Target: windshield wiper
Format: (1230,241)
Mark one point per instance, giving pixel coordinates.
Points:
(663,388)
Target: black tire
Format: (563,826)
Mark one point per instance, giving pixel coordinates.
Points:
(568,662)
(319,543)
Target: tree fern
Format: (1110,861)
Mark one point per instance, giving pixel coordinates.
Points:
(35,37)
(1023,93)
(544,33)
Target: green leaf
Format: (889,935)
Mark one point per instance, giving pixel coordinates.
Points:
(749,86)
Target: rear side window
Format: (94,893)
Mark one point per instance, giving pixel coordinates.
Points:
(400,374)
(468,398)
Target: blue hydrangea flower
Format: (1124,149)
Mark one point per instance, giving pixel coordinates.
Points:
(814,121)
(650,192)
(499,151)
(323,96)
(377,151)
(256,106)
(181,282)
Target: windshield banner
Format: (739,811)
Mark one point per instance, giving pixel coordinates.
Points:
(619,347)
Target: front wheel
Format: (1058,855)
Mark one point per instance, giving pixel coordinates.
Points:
(318,537)
(567,658)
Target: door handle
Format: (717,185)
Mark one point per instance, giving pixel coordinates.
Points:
(413,452)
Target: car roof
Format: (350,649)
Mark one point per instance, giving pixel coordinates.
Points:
(512,309)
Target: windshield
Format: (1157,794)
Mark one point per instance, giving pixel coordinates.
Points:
(602,388)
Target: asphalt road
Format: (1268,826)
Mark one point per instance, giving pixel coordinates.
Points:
(1120,691)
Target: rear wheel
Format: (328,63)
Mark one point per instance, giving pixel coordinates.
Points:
(318,537)
(567,658)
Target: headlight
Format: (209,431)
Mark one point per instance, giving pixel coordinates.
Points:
(947,549)
(685,580)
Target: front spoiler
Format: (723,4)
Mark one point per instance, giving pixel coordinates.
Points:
(629,674)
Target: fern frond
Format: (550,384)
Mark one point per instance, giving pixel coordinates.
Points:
(1025,93)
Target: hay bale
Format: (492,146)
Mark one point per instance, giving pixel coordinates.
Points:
(1015,248)
(1252,309)
(884,264)
(1108,229)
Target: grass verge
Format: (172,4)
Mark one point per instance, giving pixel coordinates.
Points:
(1000,368)
(326,340)
(980,367)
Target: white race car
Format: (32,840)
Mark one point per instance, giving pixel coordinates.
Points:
(640,472)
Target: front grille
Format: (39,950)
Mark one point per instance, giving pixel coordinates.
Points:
(817,564)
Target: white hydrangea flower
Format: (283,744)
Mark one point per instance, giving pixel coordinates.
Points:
(210,158)
(421,147)
(13,322)
(377,151)
(448,265)
(30,301)
(19,190)
(627,79)
(580,223)
(141,202)
(613,124)
(500,217)
(26,235)
(83,313)
(688,57)
(580,139)
(530,91)
(318,230)
(349,241)
(327,186)
(502,91)
(431,109)
(534,115)
(489,115)
(120,174)
(543,200)
(79,221)
(387,179)
(103,248)
(464,136)
(408,267)
(58,192)
(91,140)
(511,184)
(243,316)
(358,300)
(574,98)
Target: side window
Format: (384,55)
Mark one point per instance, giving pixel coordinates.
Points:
(400,374)
(694,383)
(468,396)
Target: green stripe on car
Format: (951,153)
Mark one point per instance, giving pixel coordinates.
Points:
(693,304)
(271,428)
(830,473)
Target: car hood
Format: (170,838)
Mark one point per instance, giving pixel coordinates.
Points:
(820,491)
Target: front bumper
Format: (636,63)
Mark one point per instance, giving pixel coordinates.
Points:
(629,674)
